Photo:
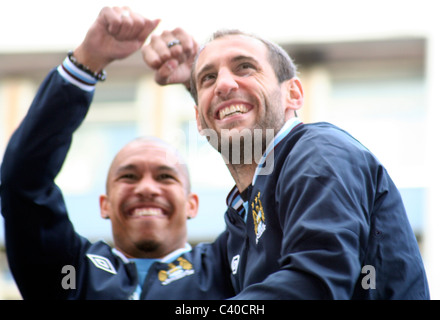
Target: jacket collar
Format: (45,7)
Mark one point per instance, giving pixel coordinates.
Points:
(235,199)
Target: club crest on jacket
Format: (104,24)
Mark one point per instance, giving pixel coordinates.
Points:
(176,271)
(259,219)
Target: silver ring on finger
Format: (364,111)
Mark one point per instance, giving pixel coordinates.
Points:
(173,43)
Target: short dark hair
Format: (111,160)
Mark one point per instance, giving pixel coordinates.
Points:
(280,60)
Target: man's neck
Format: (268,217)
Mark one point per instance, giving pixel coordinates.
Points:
(242,174)
(159,254)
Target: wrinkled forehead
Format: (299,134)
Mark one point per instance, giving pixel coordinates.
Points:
(228,47)
(148,152)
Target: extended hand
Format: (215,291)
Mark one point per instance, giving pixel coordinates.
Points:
(116,34)
(171,56)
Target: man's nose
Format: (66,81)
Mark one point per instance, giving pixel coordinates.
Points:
(147,187)
(226,83)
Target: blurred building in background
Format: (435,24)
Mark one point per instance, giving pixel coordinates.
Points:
(376,88)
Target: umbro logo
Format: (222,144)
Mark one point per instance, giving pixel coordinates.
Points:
(102,263)
(234,263)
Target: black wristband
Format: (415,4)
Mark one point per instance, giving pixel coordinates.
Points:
(101,76)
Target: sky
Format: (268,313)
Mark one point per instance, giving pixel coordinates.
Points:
(47,24)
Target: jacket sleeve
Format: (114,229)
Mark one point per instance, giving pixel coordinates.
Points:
(40,238)
(322,201)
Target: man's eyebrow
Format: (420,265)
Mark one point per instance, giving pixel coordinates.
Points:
(168,168)
(127,167)
(244,58)
(130,167)
(204,69)
(233,60)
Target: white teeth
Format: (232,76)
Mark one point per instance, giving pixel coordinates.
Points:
(232,109)
(140,212)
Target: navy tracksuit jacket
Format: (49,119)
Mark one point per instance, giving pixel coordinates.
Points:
(326,223)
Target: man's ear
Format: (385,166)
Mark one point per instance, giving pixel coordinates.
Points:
(293,96)
(104,205)
(199,126)
(192,206)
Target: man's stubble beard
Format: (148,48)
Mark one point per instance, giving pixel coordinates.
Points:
(247,146)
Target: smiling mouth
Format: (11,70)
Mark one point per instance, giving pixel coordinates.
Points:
(232,110)
(146,212)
